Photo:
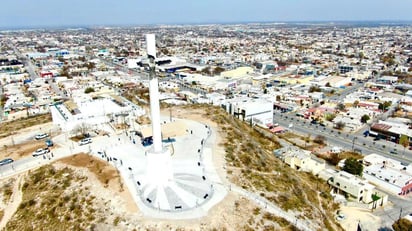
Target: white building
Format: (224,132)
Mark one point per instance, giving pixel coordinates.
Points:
(356,188)
(389,174)
(258,111)
(94,114)
(303,160)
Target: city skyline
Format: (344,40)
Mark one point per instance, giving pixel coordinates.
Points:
(47,13)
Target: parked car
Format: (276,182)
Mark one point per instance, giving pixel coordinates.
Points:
(49,143)
(6,161)
(340,217)
(85,141)
(394,152)
(41,136)
(40,151)
(147,141)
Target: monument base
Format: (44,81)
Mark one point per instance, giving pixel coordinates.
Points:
(159,167)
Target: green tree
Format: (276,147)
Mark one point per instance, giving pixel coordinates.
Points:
(356,103)
(90,66)
(3,99)
(330,116)
(65,71)
(387,104)
(340,106)
(319,139)
(388,59)
(404,141)
(384,106)
(361,55)
(314,89)
(89,90)
(364,119)
(206,71)
(353,166)
(402,225)
(340,125)
(218,70)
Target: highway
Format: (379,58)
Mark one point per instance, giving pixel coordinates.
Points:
(341,139)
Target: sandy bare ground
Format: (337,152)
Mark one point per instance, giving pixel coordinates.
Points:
(17,147)
(354,215)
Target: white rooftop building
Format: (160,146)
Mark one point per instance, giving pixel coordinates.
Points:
(88,113)
(389,174)
(258,111)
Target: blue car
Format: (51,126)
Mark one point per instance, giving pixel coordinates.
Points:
(147,141)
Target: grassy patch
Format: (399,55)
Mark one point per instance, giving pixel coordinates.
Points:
(7,190)
(8,127)
(50,203)
(334,158)
(249,149)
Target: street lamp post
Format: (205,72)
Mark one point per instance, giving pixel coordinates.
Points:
(353,142)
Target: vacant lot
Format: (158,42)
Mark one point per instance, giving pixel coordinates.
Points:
(10,127)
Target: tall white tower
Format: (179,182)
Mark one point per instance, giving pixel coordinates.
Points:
(159,166)
(178,184)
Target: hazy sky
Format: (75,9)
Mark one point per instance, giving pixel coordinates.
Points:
(34,13)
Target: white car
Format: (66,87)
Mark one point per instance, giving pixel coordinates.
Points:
(340,217)
(41,136)
(85,141)
(40,152)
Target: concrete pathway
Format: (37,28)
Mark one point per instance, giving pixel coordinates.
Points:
(13,204)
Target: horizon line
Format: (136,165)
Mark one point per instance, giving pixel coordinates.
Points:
(125,25)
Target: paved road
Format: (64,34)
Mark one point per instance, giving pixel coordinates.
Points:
(1,107)
(27,62)
(390,213)
(346,91)
(341,139)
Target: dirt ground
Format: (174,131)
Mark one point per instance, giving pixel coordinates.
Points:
(11,148)
(354,215)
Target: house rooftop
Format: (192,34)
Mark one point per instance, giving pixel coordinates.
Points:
(389,170)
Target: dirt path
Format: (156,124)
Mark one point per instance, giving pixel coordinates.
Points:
(13,204)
